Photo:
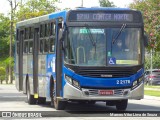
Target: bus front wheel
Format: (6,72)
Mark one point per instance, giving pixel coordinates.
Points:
(121,104)
(57,103)
(30,98)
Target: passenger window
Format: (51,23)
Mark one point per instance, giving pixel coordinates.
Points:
(41,46)
(52,44)
(30,46)
(17,48)
(53,29)
(42,30)
(25,47)
(26,33)
(46,45)
(31,30)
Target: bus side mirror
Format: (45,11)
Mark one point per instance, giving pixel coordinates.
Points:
(145,40)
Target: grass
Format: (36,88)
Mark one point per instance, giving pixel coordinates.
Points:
(157,87)
(152,93)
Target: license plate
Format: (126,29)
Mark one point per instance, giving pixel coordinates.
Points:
(105,92)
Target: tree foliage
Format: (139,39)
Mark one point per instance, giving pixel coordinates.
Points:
(106,3)
(35,8)
(155,61)
(4,35)
(151,13)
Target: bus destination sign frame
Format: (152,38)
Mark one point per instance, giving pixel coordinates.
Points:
(100,16)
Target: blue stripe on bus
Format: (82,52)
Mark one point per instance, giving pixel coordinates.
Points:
(103,82)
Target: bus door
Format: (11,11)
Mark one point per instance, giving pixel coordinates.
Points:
(20,60)
(35,60)
(59,59)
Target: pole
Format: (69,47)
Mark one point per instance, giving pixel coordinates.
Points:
(82,3)
(151,62)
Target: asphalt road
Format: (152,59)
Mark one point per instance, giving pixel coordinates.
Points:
(12,100)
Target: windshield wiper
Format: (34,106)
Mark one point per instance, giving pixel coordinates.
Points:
(90,35)
(118,34)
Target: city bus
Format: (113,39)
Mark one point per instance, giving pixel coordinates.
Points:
(85,55)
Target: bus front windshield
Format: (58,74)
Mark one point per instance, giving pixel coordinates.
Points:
(95,47)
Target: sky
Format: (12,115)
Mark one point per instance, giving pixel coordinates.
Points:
(5,8)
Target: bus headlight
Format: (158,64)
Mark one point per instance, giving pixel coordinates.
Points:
(137,82)
(69,80)
(72,82)
(140,79)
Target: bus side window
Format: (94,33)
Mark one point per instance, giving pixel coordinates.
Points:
(52,44)
(46,30)
(31,31)
(41,46)
(30,46)
(18,48)
(52,29)
(46,45)
(25,47)
(26,33)
(42,30)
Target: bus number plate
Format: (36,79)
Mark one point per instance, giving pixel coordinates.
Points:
(105,92)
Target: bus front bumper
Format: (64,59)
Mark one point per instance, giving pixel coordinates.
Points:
(72,93)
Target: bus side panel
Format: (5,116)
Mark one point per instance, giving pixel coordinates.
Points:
(42,75)
(24,72)
(16,71)
(30,71)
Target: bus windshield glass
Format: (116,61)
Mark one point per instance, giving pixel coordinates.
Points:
(88,46)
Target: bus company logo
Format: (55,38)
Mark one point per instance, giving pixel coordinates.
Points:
(105,75)
(6,114)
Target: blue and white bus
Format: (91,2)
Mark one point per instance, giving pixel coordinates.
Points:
(85,54)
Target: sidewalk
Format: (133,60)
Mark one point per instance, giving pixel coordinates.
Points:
(151,97)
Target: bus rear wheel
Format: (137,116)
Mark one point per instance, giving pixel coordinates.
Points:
(30,98)
(41,100)
(121,105)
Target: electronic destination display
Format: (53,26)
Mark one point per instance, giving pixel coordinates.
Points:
(78,16)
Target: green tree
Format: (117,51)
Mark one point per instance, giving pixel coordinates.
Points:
(4,36)
(106,3)
(151,14)
(155,61)
(35,8)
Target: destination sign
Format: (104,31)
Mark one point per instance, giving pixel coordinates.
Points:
(82,16)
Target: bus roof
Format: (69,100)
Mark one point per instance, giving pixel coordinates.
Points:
(103,8)
(42,18)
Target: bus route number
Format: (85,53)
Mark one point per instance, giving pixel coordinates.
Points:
(122,82)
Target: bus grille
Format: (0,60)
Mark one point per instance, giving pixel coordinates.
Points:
(105,73)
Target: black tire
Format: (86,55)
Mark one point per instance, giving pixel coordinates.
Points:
(41,100)
(121,105)
(58,104)
(52,91)
(30,98)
